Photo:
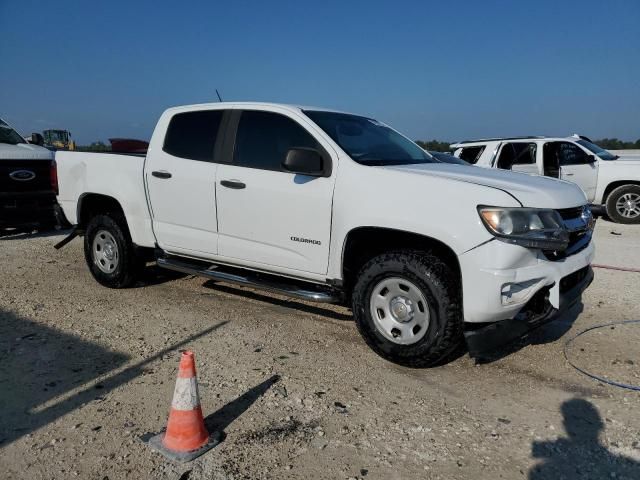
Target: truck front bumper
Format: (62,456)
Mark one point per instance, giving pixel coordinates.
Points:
(520,291)
(17,210)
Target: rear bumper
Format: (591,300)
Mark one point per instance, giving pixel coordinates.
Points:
(20,210)
(484,338)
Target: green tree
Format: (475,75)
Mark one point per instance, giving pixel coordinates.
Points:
(616,144)
(98,146)
(435,145)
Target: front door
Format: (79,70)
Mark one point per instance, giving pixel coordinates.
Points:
(266,215)
(181,183)
(578,167)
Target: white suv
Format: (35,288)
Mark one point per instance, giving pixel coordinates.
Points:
(610,182)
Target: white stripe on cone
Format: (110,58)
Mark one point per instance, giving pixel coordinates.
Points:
(185,395)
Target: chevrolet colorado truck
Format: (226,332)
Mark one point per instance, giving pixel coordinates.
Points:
(333,207)
(611,182)
(28,182)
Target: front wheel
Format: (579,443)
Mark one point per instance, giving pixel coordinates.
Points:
(623,204)
(407,307)
(109,252)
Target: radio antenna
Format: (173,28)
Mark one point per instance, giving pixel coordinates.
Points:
(219,97)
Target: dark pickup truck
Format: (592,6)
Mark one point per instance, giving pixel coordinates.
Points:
(28,182)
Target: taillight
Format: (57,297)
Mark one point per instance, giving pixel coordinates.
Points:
(53,177)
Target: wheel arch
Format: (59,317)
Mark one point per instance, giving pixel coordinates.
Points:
(613,185)
(363,243)
(90,204)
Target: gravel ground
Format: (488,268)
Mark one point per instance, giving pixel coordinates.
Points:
(85,371)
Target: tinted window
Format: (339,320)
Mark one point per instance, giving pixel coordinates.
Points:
(471,154)
(193,135)
(570,154)
(517,154)
(9,135)
(264,138)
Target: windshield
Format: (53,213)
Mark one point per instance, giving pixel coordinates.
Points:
(9,135)
(368,141)
(600,152)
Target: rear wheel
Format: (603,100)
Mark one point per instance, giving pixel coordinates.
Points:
(109,251)
(623,204)
(407,307)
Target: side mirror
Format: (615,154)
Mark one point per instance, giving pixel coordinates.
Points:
(591,159)
(37,139)
(305,161)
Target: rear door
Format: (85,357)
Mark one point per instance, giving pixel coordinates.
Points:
(268,216)
(180,180)
(579,167)
(519,157)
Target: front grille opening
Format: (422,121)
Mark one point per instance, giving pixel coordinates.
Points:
(570,213)
(578,241)
(573,279)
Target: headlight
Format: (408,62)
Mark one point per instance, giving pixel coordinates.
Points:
(528,227)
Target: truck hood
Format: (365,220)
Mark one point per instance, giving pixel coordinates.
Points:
(530,190)
(623,160)
(24,151)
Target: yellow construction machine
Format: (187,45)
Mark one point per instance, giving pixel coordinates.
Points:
(59,139)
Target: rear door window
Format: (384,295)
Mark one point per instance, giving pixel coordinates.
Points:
(264,138)
(193,135)
(471,154)
(517,154)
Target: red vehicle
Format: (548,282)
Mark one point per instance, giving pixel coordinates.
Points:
(128,145)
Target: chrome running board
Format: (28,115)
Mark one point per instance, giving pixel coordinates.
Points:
(253,279)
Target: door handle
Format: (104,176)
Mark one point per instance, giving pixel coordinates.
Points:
(568,174)
(161,174)
(235,184)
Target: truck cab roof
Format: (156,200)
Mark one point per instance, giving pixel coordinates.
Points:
(260,105)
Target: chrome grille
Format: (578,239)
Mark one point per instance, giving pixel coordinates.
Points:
(579,226)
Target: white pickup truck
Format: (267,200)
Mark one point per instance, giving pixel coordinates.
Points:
(334,207)
(611,182)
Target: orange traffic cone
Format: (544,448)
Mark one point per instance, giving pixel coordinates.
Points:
(186,436)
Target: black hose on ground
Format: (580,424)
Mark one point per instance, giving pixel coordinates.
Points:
(596,377)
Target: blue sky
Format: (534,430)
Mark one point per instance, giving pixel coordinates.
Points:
(446,70)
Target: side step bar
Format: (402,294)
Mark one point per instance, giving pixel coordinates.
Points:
(251,279)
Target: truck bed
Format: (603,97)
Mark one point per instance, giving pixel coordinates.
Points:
(115,175)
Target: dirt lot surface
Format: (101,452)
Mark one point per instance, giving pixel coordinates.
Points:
(85,371)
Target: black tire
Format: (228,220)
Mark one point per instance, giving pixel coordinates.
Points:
(612,200)
(128,266)
(441,288)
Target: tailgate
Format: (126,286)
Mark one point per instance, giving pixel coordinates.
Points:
(23,176)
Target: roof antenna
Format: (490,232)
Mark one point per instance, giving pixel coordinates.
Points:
(219,97)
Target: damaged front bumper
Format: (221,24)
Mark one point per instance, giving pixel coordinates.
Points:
(484,338)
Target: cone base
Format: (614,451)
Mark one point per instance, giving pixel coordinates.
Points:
(155,443)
